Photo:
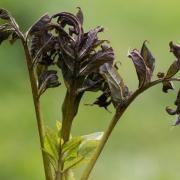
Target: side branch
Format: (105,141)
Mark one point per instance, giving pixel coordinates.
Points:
(113,123)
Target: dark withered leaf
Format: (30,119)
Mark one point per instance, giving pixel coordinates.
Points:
(102,101)
(8,33)
(177,121)
(115,83)
(170,111)
(148,57)
(4,35)
(14,36)
(143,72)
(175,49)
(89,41)
(40,25)
(80,15)
(167,85)
(175,111)
(4,14)
(160,75)
(177,102)
(173,69)
(47,79)
(101,57)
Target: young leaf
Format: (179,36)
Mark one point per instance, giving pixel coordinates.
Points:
(143,72)
(175,49)
(47,79)
(177,110)
(173,69)
(148,57)
(90,40)
(102,101)
(80,15)
(115,82)
(101,57)
(87,149)
(40,25)
(73,143)
(51,144)
(4,14)
(8,33)
(167,85)
(78,152)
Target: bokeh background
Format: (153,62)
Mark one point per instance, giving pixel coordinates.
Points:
(143,146)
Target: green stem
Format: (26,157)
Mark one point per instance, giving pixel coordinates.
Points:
(115,119)
(69,111)
(40,123)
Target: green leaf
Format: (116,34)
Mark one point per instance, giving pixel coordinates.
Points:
(51,144)
(80,153)
(75,162)
(72,144)
(87,148)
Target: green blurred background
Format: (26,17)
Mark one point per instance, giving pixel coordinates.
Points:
(144,146)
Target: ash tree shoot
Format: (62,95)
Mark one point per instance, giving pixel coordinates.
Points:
(87,63)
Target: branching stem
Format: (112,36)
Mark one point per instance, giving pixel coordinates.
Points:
(115,119)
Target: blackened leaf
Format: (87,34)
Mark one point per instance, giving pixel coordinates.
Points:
(170,111)
(91,39)
(143,72)
(4,14)
(103,101)
(176,111)
(4,35)
(175,49)
(80,15)
(173,69)
(8,33)
(148,57)
(101,57)
(14,36)
(177,121)
(160,75)
(47,79)
(40,25)
(177,102)
(167,85)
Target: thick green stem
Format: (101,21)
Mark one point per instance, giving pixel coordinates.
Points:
(69,111)
(115,119)
(40,123)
